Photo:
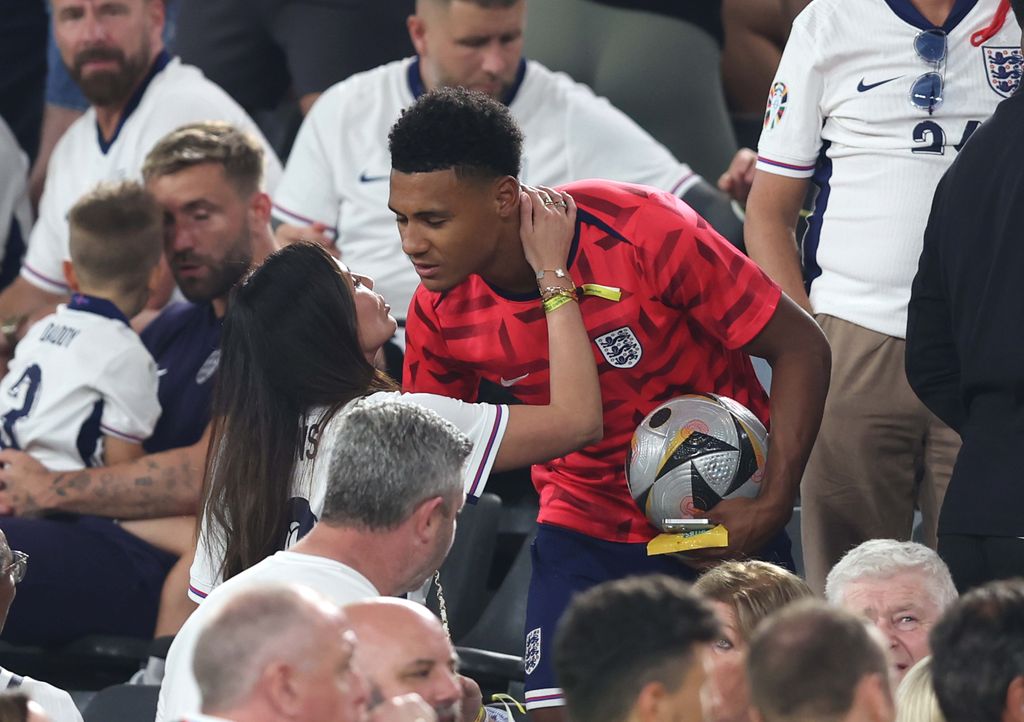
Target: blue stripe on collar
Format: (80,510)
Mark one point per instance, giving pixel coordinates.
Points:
(906,11)
(133,102)
(417,88)
(99,306)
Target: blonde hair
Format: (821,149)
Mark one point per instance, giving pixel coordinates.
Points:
(238,152)
(754,589)
(915,697)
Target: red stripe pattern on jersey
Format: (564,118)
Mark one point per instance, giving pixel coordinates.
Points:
(689,302)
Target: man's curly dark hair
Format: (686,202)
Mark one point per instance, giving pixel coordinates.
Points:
(460,129)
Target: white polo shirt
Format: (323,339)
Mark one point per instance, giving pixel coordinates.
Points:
(171,96)
(179,692)
(338,170)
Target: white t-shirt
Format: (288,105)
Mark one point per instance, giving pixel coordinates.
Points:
(179,692)
(79,374)
(57,703)
(175,96)
(484,424)
(15,209)
(840,111)
(338,170)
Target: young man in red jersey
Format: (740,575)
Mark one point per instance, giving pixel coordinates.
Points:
(670,306)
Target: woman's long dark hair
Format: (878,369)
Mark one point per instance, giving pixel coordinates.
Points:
(290,343)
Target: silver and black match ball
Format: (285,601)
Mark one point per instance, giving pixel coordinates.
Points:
(693,451)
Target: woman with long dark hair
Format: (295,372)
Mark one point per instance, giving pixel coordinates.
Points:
(299,340)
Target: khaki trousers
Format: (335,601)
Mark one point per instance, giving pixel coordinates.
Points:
(879,454)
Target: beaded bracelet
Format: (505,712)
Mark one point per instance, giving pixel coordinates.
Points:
(552,291)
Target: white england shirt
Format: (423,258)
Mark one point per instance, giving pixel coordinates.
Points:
(839,111)
(172,95)
(79,374)
(338,170)
(56,702)
(179,691)
(484,424)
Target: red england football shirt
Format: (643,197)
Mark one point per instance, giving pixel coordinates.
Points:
(689,302)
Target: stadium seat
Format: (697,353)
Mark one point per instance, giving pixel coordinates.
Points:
(500,627)
(662,71)
(124,703)
(491,653)
(89,663)
(464,572)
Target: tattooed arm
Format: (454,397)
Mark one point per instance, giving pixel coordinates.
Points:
(163,484)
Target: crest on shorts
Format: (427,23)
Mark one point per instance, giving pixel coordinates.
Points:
(620,347)
(776,107)
(1003,68)
(532,656)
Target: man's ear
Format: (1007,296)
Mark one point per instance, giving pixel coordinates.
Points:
(279,684)
(426,517)
(1014,709)
(69,276)
(259,209)
(157,12)
(506,197)
(650,703)
(417,33)
(873,695)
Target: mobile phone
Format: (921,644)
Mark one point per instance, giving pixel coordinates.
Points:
(681,525)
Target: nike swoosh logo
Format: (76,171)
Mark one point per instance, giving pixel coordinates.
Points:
(161,372)
(862,86)
(363,178)
(509,382)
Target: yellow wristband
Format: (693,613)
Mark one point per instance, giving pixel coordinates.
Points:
(557,302)
(609,293)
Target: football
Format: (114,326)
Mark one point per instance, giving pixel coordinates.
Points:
(690,453)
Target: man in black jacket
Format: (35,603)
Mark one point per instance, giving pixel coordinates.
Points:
(965,356)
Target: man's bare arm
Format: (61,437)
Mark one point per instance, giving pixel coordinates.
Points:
(156,485)
(21,305)
(773,210)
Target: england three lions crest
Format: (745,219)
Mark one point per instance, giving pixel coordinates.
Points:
(532,656)
(620,347)
(1003,68)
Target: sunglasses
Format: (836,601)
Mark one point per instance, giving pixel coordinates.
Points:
(926,92)
(16,567)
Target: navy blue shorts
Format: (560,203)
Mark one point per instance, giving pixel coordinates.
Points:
(86,575)
(565,563)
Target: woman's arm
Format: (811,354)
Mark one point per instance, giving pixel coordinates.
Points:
(573,418)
